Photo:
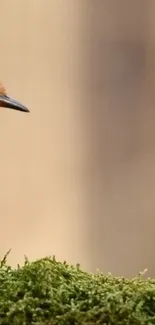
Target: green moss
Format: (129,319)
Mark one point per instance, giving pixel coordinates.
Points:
(47,292)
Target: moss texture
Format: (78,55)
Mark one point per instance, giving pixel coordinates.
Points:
(47,292)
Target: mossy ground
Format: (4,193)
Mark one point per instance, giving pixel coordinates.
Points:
(47,292)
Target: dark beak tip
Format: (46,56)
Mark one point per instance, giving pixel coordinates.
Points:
(6,101)
(26,110)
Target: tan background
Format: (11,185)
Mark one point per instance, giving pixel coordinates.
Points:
(77,175)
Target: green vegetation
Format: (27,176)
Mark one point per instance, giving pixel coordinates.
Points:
(47,292)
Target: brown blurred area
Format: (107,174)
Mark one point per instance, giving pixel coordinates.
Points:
(77,175)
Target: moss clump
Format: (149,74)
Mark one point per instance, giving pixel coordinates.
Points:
(47,292)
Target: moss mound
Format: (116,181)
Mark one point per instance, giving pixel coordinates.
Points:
(47,292)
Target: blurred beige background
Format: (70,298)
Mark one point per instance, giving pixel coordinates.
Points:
(77,175)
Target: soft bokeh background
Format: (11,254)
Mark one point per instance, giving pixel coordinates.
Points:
(77,175)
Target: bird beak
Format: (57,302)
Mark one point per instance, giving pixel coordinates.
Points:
(8,102)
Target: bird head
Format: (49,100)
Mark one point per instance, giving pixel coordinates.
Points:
(8,102)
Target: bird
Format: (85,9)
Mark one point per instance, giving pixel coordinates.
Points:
(8,102)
